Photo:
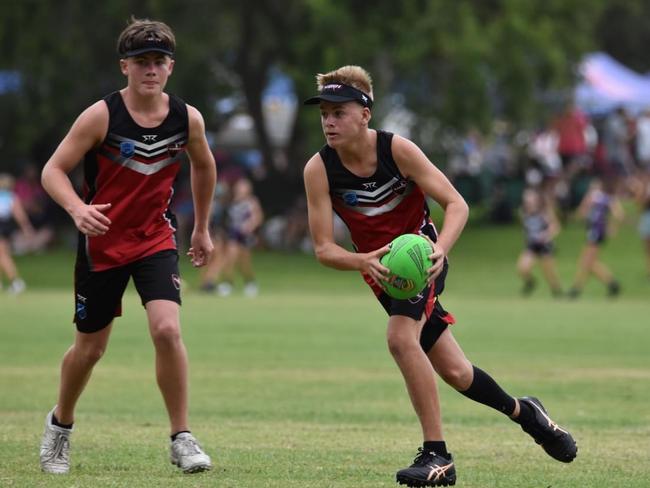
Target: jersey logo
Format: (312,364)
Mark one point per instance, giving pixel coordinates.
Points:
(127,149)
(149,137)
(350,198)
(174,149)
(370,186)
(399,187)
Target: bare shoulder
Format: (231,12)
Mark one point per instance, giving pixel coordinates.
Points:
(94,118)
(314,166)
(194,116)
(403,148)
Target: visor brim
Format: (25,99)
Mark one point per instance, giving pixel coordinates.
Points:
(329,98)
(137,52)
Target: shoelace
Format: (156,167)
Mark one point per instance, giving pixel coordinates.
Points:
(57,451)
(422,458)
(189,447)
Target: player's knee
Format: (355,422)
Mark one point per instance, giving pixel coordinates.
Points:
(458,375)
(91,353)
(400,344)
(165,332)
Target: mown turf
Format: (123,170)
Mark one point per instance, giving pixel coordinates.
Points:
(296,388)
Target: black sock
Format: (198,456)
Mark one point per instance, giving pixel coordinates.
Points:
(525,413)
(174,436)
(439,447)
(486,391)
(56,422)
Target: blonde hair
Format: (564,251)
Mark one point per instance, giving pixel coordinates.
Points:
(138,31)
(354,76)
(6,182)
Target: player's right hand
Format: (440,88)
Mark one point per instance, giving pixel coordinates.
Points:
(90,219)
(373,268)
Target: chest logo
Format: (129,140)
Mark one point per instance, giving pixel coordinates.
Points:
(174,149)
(149,137)
(350,198)
(399,187)
(127,149)
(370,186)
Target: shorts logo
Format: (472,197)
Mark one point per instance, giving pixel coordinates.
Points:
(127,149)
(416,298)
(80,311)
(350,198)
(176,281)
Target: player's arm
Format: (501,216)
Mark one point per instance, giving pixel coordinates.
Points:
(21,218)
(86,133)
(203,176)
(554,226)
(257,215)
(414,164)
(321,227)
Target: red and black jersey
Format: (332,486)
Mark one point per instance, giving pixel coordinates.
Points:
(133,169)
(378,208)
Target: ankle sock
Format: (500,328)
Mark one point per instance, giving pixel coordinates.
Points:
(439,447)
(56,422)
(174,436)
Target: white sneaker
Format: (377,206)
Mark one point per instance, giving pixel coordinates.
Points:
(224,289)
(16,286)
(188,455)
(251,289)
(55,447)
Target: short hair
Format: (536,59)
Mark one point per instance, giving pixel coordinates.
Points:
(350,75)
(139,31)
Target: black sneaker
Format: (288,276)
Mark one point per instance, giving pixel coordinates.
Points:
(428,469)
(556,441)
(613,289)
(529,286)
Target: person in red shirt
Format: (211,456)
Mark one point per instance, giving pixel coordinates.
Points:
(131,143)
(376,182)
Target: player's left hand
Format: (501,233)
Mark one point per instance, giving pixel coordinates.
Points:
(200,249)
(437,257)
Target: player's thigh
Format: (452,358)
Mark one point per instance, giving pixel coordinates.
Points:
(164,319)
(403,330)
(98,297)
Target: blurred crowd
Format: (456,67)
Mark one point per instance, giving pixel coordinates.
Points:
(560,160)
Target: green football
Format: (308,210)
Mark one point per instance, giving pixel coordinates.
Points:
(408,262)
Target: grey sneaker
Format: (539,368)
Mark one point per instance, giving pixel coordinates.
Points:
(55,447)
(186,453)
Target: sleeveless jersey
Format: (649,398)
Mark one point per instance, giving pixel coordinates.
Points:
(597,216)
(6,205)
(535,226)
(377,208)
(133,169)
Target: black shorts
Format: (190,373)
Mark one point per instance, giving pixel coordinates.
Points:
(98,294)
(426,303)
(7,228)
(541,248)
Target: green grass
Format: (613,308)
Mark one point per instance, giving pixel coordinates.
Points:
(296,388)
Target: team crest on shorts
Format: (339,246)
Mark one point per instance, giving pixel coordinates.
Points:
(127,148)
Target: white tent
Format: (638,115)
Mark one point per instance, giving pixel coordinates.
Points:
(607,84)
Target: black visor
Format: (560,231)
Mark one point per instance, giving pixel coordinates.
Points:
(336,92)
(151,44)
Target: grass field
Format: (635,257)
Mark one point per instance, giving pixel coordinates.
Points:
(296,388)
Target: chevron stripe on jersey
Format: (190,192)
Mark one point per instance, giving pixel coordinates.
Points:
(148,150)
(134,169)
(378,208)
(145,168)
